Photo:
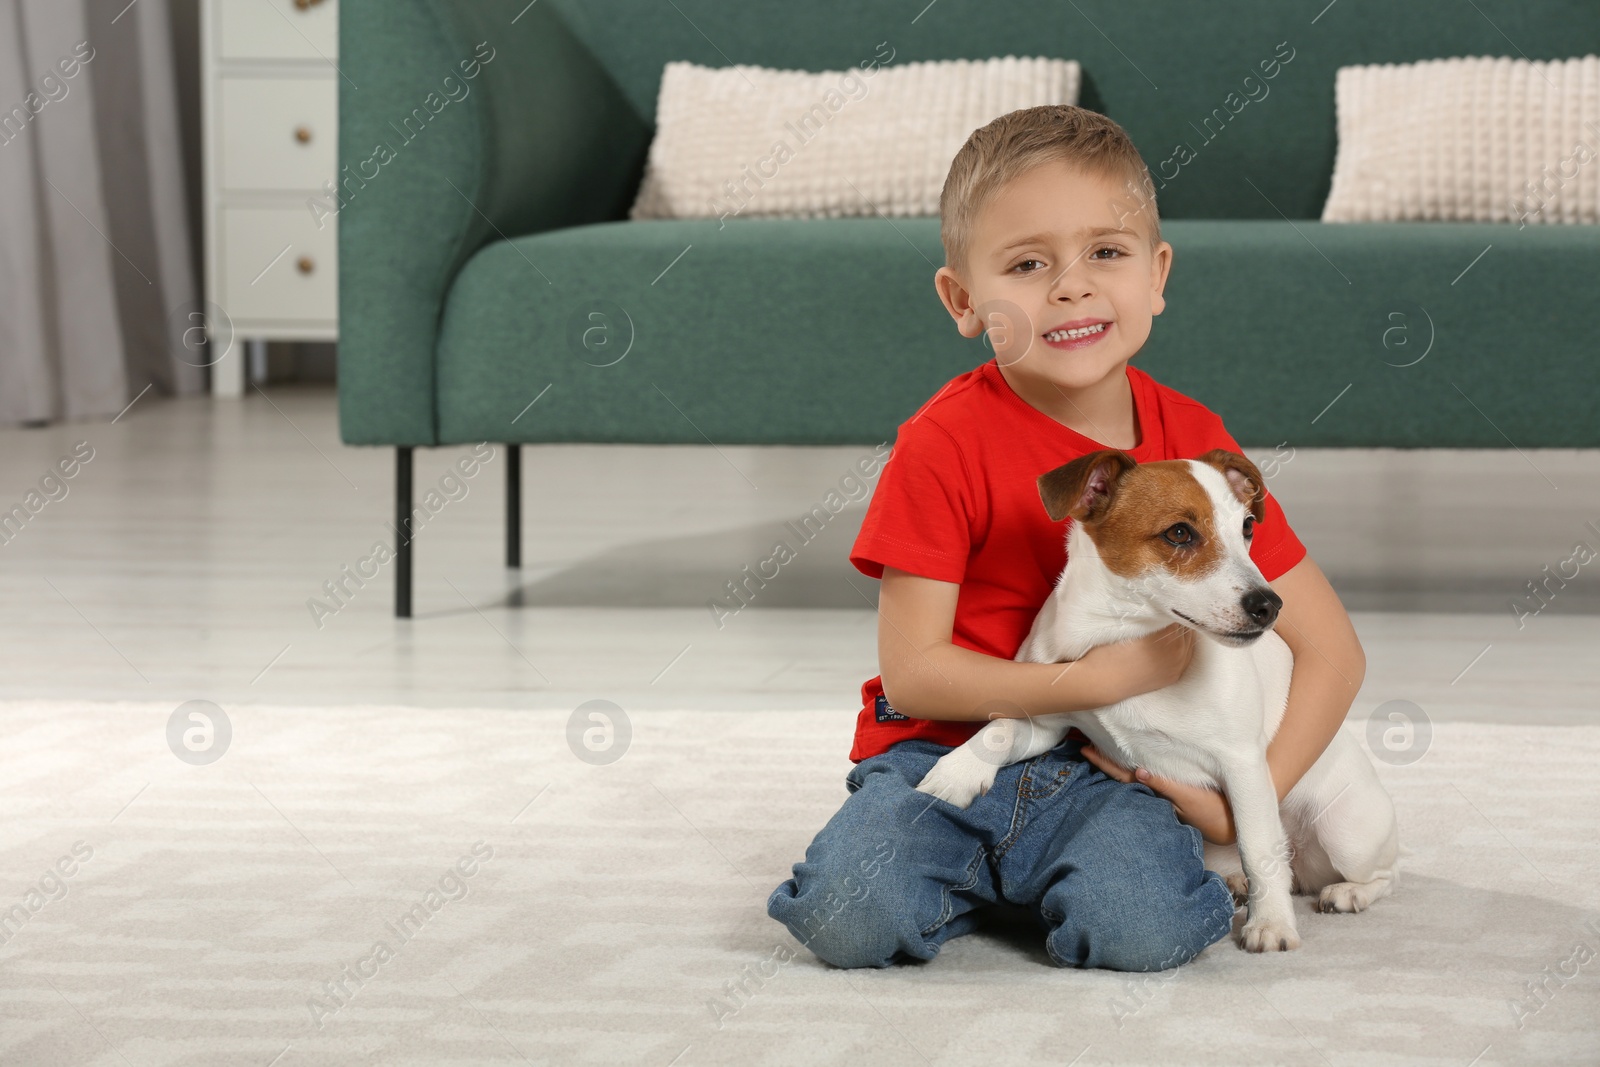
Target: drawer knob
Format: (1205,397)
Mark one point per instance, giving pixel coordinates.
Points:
(302,134)
(305,265)
(304,4)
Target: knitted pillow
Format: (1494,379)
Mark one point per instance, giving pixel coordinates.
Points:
(1471,139)
(753,141)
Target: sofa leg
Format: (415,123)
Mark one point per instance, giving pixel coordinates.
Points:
(513,505)
(402,529)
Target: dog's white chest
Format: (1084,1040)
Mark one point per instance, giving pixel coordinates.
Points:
(1229,701)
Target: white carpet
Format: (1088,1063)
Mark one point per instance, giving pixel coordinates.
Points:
(621,901)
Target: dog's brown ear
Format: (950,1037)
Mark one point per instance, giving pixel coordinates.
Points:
(1083,489)
(1243,478)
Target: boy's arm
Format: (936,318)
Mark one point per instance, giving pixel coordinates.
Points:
(1329,666)
(927,676)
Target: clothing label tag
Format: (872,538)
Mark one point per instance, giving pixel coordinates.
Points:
(885,713)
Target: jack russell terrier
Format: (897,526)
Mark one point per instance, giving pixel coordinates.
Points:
(1154,542)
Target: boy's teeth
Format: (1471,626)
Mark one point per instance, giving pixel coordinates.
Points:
(1067,335)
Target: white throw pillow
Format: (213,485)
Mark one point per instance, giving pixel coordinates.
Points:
(1476,139)
(750,141)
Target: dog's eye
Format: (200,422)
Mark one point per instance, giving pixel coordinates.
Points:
(1249,526)
(1179,534)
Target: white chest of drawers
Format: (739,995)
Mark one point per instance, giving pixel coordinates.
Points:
(270,90)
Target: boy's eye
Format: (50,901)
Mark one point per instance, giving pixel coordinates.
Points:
(1095,255)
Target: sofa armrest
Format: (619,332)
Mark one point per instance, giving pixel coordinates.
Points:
(459,123)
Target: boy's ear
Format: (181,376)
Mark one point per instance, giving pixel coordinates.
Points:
(1244,478)
(957,301)
(1084,488)
(1159,271)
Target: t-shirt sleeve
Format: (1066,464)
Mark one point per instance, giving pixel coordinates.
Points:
(1274,549)
(920,517)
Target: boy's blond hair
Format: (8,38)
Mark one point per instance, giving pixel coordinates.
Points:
(1020,140)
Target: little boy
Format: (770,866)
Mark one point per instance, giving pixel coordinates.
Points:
(1052,245)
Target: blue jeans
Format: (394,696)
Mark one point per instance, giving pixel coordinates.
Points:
(1106,867)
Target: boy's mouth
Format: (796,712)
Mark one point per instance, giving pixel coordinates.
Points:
(1077,336)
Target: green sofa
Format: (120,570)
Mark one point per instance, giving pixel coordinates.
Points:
(493,289)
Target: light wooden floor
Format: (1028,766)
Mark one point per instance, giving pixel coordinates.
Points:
(180,563)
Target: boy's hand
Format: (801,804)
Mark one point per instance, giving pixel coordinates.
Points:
(1152,662)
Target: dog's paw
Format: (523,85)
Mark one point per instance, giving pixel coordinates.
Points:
(1343,896)
(1268,935)
(958,778)
(1239,886)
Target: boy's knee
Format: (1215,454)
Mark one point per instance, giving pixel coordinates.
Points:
(1140,947)
(859,928)
(846,943)
(1152,937)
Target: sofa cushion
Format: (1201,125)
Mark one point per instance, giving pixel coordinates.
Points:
(829,331)
(752,142)
(1473,139)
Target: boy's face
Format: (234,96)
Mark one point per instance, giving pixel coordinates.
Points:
(1036,263)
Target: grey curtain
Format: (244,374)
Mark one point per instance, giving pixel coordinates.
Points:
(96,268)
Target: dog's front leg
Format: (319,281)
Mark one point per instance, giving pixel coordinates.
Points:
(967,771)
(1264,852)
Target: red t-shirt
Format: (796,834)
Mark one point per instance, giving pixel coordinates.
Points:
(958,502)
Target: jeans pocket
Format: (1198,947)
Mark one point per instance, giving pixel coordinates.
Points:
(1044,775)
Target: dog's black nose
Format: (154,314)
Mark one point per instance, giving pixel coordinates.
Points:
(1262,606)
